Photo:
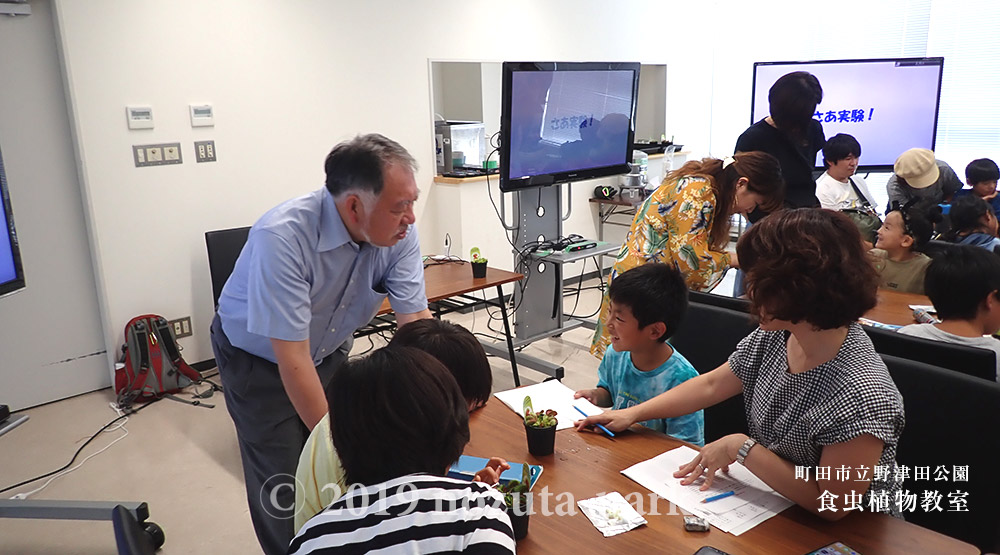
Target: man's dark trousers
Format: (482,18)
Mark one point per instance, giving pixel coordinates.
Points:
(270,433)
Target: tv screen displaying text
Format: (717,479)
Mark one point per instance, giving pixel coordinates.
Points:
(563,121)
(888,106)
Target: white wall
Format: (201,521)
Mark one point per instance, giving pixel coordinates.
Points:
(462,96)
(51,343)
(288,80)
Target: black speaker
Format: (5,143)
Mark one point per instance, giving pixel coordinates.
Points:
(605,192)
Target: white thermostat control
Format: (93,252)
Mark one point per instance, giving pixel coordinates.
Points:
(202,115)
(139,117)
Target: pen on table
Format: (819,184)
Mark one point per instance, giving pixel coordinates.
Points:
(603,429)
(717,497)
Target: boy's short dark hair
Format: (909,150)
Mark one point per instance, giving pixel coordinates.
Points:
(966,214)
(959,279)
(840,146)
(982,169)
(456,348)
(654,292)
(807,265)
(395,412)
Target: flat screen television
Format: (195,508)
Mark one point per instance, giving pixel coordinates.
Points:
(11,271)
(566,121)
(889,105)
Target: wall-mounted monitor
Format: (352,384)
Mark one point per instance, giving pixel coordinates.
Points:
(890,105)
(566,121)
(11,271)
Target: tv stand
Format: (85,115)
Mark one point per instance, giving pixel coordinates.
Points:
(539,308)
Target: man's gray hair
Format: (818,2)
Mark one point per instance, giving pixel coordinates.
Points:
(359,164)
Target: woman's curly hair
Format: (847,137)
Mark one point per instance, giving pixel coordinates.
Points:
(807,265)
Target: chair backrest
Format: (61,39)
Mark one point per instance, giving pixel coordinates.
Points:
(732,303)
(973,361)
(224,247)
(951,420)
(708,335)
(935,247)
(130,537)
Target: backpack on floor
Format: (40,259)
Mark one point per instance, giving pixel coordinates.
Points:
(153,366)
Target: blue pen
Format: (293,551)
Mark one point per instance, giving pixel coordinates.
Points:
(603,429)
(717,497)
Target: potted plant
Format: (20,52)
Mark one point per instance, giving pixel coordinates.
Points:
(478,263)
(540,427)
(518,500)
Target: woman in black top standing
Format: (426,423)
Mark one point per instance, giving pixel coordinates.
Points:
(791,135)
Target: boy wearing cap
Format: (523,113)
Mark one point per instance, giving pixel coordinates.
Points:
(917,174)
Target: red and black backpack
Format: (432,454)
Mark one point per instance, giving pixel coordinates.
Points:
(153,365)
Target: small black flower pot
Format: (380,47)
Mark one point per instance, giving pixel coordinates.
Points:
(519,517)
(541,441)
(478,270)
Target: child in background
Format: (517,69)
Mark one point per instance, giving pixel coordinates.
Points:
(897,257)
(647,305)
(400,420)
(461,353)
(973,223)
(982,176)
(964,284)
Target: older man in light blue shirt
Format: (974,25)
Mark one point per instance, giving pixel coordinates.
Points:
(314,270)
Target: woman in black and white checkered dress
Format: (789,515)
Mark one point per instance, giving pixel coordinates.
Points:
(817,395)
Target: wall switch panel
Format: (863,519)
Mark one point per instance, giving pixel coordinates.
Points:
(202,115)
(204,151)
(157,155)
(139,117)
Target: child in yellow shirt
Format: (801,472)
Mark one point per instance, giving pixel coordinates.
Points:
(320,479)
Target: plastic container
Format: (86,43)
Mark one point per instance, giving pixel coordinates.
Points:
(641,159)
(541,441)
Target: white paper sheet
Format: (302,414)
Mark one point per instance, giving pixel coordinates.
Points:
(549,395)
(753,503)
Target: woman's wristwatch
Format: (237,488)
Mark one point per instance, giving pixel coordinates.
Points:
(741,455)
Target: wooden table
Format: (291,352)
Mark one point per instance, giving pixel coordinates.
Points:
(894,307)
(453,280)
(585,465)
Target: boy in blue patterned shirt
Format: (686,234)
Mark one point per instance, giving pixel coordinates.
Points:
(647,306)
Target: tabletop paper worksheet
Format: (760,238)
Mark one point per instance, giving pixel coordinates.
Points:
(753,502)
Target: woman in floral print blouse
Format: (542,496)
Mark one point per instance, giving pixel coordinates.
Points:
(686,221)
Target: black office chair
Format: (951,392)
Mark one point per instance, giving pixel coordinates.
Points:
(951,419)
(732,303)
(133,537)
(707,337)
(972,361)
(224,247)
(935,247)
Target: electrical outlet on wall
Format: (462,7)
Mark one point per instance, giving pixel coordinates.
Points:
(157,155)
(204,151)
(181,327)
